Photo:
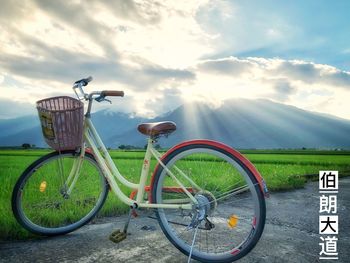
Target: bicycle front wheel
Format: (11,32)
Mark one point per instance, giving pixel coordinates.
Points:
(229,216)
(50,199)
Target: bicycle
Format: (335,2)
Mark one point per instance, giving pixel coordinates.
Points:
(209,200)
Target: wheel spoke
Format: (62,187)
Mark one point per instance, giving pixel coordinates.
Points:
(43,203)
(228,196)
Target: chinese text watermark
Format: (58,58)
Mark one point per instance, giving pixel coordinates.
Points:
(328,218)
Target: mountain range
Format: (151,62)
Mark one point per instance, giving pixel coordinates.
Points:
(240,123)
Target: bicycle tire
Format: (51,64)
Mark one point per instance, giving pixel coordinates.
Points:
(171,223)
(38,179)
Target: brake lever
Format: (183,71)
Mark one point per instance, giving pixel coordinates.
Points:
(101,98)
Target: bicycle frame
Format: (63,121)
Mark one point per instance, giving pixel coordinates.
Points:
(112,174)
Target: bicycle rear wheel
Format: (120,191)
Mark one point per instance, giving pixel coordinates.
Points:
(47,201)
(230,214)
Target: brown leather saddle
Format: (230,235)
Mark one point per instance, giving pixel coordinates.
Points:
(155,129)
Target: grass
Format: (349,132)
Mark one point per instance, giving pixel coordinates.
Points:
(281,169)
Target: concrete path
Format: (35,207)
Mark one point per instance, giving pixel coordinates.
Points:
(291,235)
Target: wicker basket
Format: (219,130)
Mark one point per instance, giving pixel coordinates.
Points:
(62,120)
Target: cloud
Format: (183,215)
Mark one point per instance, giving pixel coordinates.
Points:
(12,109)
(60,42)
(12,10)
(283,89)
(152,89)
(245,26)
(106,70)
(312,73)
(230,65)
(80,17)
(307,72)
(318,74)
(293,70)
(148,12)
(162,53)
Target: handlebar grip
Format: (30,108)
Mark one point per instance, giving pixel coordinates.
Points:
(85,81)
(115,93)
(88,79)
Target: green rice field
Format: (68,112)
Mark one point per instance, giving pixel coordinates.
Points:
(281,169)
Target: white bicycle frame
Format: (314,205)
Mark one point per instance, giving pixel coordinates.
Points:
(112,174)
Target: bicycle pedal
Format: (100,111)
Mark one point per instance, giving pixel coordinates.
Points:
(117,236)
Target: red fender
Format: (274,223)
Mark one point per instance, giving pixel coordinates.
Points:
(225,147)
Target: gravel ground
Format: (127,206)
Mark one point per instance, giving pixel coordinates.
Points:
(290,235)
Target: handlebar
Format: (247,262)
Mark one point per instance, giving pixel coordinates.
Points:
(95,95)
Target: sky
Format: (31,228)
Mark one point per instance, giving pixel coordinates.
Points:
(166,53)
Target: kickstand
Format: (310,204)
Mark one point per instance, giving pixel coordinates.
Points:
(128,220)
(194,239)
(117,235)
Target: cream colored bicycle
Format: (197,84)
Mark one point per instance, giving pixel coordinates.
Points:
(208,199)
